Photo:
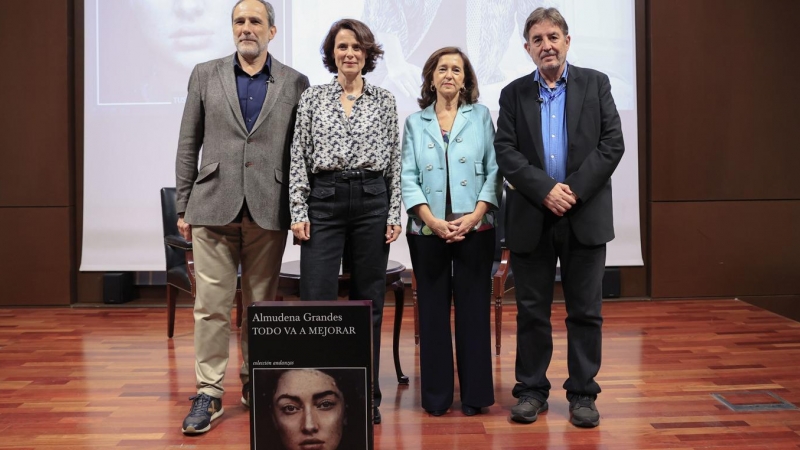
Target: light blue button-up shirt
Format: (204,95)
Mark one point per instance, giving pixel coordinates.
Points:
(554,125)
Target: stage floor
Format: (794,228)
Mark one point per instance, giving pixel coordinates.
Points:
(678,375)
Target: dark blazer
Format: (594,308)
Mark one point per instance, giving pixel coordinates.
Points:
(595,147)
(236,164)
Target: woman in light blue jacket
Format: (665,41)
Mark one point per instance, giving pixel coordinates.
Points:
(451,189)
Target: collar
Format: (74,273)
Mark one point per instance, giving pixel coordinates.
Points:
(267,69)
(336,88)
(429,112)
(537,78)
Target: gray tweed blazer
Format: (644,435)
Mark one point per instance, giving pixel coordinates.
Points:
(236,165)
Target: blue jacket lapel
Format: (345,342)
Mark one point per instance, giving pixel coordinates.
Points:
(432,126)
(462,120)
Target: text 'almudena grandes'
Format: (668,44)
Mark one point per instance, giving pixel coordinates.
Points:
(307,317)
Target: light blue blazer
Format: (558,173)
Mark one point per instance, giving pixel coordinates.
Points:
(470,156)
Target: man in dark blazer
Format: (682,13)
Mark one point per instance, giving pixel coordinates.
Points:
(558,141)
(240,110)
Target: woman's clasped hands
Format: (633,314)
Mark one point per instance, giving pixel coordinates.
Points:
(454,230)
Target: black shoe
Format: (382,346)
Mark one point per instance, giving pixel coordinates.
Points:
(205,409)
(376,416)
(470,410)
(436,412)
(583,412)
(527,410)
(246,388)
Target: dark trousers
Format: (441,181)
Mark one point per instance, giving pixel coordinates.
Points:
(462,271)
(582,269)
(353,211)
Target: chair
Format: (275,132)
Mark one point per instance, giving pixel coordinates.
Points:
(501,270)
(501,274)
(290,282)
(180,261)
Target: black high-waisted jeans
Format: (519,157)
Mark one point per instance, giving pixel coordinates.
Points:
(349,207)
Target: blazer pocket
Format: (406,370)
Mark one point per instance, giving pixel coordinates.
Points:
(480,176)
(206,172)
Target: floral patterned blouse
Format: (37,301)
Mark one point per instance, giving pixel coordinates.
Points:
(325,139)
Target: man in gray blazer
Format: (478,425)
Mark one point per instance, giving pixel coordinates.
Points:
(559,139)
(240,110)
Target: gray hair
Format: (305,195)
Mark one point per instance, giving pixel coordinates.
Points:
(268,5)
(545,14)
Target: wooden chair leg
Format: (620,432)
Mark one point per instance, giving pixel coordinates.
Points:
(399,302)
(172,296)
(498,289)
(238,300)
(498,321)
(416,308)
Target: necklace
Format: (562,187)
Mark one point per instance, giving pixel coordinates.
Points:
(351,97)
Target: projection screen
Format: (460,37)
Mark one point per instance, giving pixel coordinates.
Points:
(139,54)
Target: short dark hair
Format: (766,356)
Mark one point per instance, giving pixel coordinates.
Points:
(470,93)
(364,37)
(267,5)
(545,14)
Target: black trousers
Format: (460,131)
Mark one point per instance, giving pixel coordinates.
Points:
(461,271)
(355,211)
(582,270)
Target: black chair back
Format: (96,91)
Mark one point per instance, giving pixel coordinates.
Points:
(169,221)
(500,230)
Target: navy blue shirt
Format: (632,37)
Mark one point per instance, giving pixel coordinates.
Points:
(252,90)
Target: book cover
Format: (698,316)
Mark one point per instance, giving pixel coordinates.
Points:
(311,375)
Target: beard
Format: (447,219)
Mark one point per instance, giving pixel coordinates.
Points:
(250,48)
(552,65)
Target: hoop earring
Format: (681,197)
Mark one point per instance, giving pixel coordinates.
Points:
(433,88)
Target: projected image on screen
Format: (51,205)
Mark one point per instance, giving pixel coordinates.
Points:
(412,30)
(147,48)
(139,55)
(489,31)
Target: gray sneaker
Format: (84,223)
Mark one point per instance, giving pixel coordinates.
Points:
(205,409)
(583,412)
(527,410)
(246,388)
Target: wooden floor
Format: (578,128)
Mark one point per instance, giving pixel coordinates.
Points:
(109,378)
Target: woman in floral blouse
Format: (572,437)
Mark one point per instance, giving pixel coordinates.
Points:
(450,188)
(345,177)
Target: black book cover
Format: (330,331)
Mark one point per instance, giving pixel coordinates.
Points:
(311,375)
